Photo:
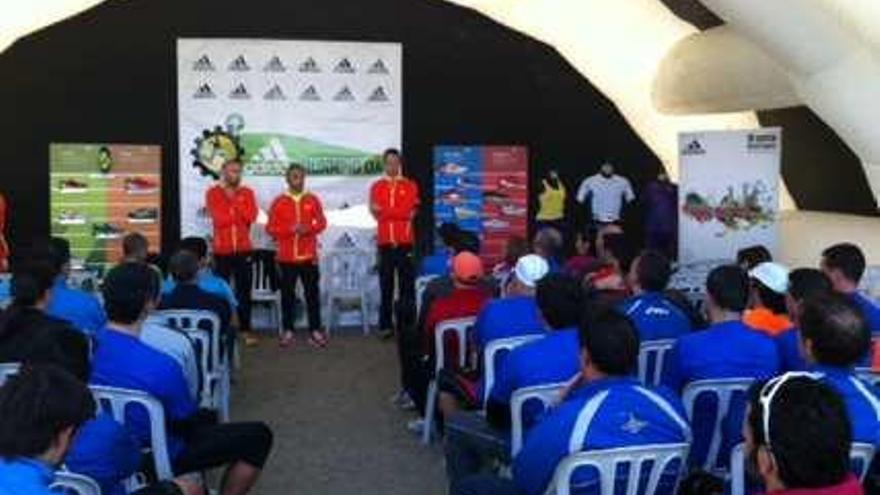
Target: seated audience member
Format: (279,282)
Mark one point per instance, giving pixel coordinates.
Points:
(767,308)
(752,256)
(187,294)
(548,245)
(835,338)
(135,248)
(582,262)
(844,264)
(208,281)
(82,310)
(438,263)
(803,284)
(655,316)
(797,438)
(517,313)
(516,248)
(627,414)
(195,442)
(28,335)
(607,283)
(726,349)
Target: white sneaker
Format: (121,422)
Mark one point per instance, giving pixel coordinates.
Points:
(416,426)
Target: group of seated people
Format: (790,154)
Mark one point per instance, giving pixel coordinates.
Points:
(583,323)
(66,340)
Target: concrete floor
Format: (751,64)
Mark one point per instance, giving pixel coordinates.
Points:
(335,429)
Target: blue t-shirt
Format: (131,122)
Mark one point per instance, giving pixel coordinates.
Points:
(123,361)
(788,345)
(25,476)
(435,264)
(105,451)
(870,310)
(655,317)
(862,403)
(81,309)
(627,414)
(552,359)
(508,317)
(208,282)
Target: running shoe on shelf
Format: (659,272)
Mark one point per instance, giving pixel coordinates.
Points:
(139,185)
(143,215)
(106,231)
(72,186)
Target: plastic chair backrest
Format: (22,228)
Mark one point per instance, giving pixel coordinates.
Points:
(262,282)
(490,357)
(115,401)
(75,484)
(653,351)
(421,286)
(547,395)
(723,391)
(650,460)
(193,322)
(458,328)
(7,370)
(346,271)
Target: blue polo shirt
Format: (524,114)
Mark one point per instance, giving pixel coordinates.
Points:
(870,310)
(655,317)
(25,476)
(788,345)
(551,359)
(81,309)
(123,361)
(105,451)
(627,414)
(508,317)
(208,281)
(862,403)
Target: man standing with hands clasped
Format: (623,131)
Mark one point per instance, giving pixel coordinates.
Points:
(394,201)
(296,218)
(233,209)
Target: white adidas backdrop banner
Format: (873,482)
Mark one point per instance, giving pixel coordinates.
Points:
(728,192)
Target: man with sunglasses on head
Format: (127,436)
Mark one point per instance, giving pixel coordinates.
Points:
(798,438)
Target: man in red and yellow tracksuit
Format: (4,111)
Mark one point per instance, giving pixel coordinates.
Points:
(4,247)
(233,209)
(296,219)
(394,202)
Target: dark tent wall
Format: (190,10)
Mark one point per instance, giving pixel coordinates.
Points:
(109,75)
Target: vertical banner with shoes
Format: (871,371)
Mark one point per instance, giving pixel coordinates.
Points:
(485,190)
(729,192)
(100,192)
(330,106)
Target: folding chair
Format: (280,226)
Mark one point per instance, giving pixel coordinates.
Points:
(653,351)
(491,355)
(458,329)
(723,391)
(547,395)
(68,483)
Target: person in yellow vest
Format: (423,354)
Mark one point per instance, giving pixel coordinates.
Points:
(551,204)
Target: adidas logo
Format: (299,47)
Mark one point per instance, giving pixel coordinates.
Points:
(240,93)
(203,64)
(310,94)
(275,94)
(275,65)
(344,67)
(239,65)
(378,67)
(693,148)
(344,94)
(204,92)
(309,65)
(379,94)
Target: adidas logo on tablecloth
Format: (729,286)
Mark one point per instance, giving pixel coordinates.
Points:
(344,94)
(379,94)
(309,65)
(203,64)
(275,65)
(378,67)
(275,94)
(693,148)
(344,67)
(239,65)
(240,93)
(204,92)
(310,94)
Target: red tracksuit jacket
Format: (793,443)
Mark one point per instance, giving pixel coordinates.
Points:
(286,212)
(232,218)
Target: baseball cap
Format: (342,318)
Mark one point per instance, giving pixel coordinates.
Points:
(530,269)
(773,275)
(467,268)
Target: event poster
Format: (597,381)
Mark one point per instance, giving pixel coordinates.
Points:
(729,192)
(99,193)
(330,106)
(483,189)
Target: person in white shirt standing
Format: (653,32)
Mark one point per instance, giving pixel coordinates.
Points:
(607,193)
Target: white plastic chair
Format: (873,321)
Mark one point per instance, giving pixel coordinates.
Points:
(262,291)
(651,460)
(114,401)
(421,286)
(490,355)
(345,273)
(7,370)
(75,484)
(723,391)
(216,383)
(657,350)
(548,395)
(860,454)
(458,329)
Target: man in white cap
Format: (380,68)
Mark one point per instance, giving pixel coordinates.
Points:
(767,310)
(607,192)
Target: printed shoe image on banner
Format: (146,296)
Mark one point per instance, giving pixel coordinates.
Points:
(139,185)
(143,215)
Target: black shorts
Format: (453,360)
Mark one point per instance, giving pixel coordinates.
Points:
(218,445)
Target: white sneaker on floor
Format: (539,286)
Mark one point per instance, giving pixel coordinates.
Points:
(403,401)
(416,426)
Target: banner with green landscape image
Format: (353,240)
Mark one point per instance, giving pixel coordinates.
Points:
(100,192)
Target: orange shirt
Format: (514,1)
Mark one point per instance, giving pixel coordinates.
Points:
(289,210)
(397,199)
(764,320)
